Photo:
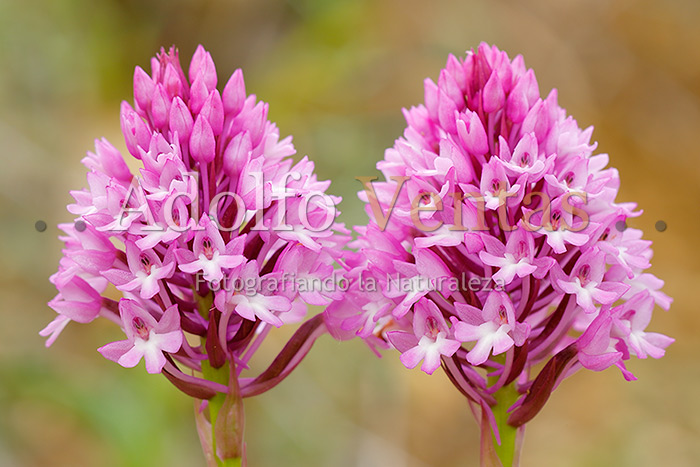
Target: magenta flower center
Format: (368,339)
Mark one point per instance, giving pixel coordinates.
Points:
(141,328)
(569,178)
(496,186)
(146,263)
(433,327)
(584,274)
(502,315)
(525,160)
(207,248)
(556,220)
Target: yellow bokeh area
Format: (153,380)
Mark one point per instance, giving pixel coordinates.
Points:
(336,75)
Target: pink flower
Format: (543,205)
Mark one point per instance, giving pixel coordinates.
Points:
(146,337)
(631,320)
(373,313)
(494,327)
(145,270)
(77,300)
(495,186)
(596,350)
(249,302)
(210,254)
(586,282)
(429,340)
(516,258)
(300,271)
(525,159)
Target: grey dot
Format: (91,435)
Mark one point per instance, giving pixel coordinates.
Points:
(40,226)
(621,226)
(80,226)
(660,226)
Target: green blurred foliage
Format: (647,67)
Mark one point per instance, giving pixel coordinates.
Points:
(336,74)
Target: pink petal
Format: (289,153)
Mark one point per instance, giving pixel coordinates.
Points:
(114,350)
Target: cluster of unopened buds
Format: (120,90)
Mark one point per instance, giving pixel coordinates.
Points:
(495,247)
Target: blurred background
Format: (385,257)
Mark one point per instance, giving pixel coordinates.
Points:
(337,74)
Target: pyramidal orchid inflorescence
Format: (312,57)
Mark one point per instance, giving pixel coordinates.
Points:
(497,250)
(218,238)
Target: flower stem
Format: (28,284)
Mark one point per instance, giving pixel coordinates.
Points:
(224,445)
(226,417)
(507,452)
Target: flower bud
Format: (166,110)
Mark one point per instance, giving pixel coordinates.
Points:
(173,81)
(135,129)
(203,65)
(181,120)
(237,153)
(449,86)
(109,161)
(446,112)
(234,93)
(143,88)
(160,106)
(493,95)
(256,122)
(431,98)
(516,106)
(537,121)
(198,94)
(202,142)
(471,133)
(456,71)
(213,111)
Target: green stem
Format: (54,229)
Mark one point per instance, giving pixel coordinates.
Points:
(507,453)
(508,450)
(225,410)
(218,375)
